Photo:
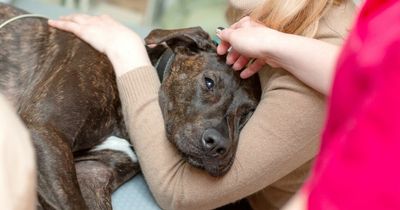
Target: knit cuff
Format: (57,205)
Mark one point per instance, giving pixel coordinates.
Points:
(138,83)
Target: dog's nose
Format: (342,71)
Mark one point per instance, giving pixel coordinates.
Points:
(215,143)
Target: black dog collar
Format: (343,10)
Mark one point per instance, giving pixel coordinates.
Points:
(163,64)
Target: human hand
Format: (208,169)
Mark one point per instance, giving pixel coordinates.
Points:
(108,36)
(250,43)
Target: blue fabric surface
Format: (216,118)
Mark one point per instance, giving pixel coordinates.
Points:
(132,195)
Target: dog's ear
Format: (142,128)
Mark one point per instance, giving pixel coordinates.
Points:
(192,39)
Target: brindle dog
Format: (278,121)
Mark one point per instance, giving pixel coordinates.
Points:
(204,102)
(65,92)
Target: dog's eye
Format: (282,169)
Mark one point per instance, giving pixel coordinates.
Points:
(209,83)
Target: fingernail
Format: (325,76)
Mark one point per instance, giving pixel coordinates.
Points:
(219,29)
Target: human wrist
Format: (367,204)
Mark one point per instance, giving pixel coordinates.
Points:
(278,48)
(124,63)
(128,57)
(275,43)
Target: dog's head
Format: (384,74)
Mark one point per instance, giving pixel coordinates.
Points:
(204,102)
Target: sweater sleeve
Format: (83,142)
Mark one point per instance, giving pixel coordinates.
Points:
(282,135)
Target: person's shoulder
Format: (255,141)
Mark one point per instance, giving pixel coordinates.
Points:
(336,22)
(342,13)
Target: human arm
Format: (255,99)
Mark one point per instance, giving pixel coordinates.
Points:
(281,136)
(271,145)
(282,146)
(310,60)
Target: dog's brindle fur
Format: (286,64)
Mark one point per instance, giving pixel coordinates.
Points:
(65,92)
(191,110)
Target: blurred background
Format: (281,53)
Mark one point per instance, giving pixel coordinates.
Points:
(140,15)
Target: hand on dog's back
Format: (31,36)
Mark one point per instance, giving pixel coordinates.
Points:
(107,36)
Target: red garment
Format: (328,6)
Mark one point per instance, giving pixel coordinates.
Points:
(359,162)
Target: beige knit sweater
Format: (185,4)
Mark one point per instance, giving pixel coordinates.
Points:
(275,147)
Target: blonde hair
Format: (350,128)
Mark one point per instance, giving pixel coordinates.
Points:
(290,16)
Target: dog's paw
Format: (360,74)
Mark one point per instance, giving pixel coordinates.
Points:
(117,144)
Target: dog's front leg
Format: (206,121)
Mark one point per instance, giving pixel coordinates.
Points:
(103,169)
(57,183)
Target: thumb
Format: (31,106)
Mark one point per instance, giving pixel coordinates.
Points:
(225,35)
